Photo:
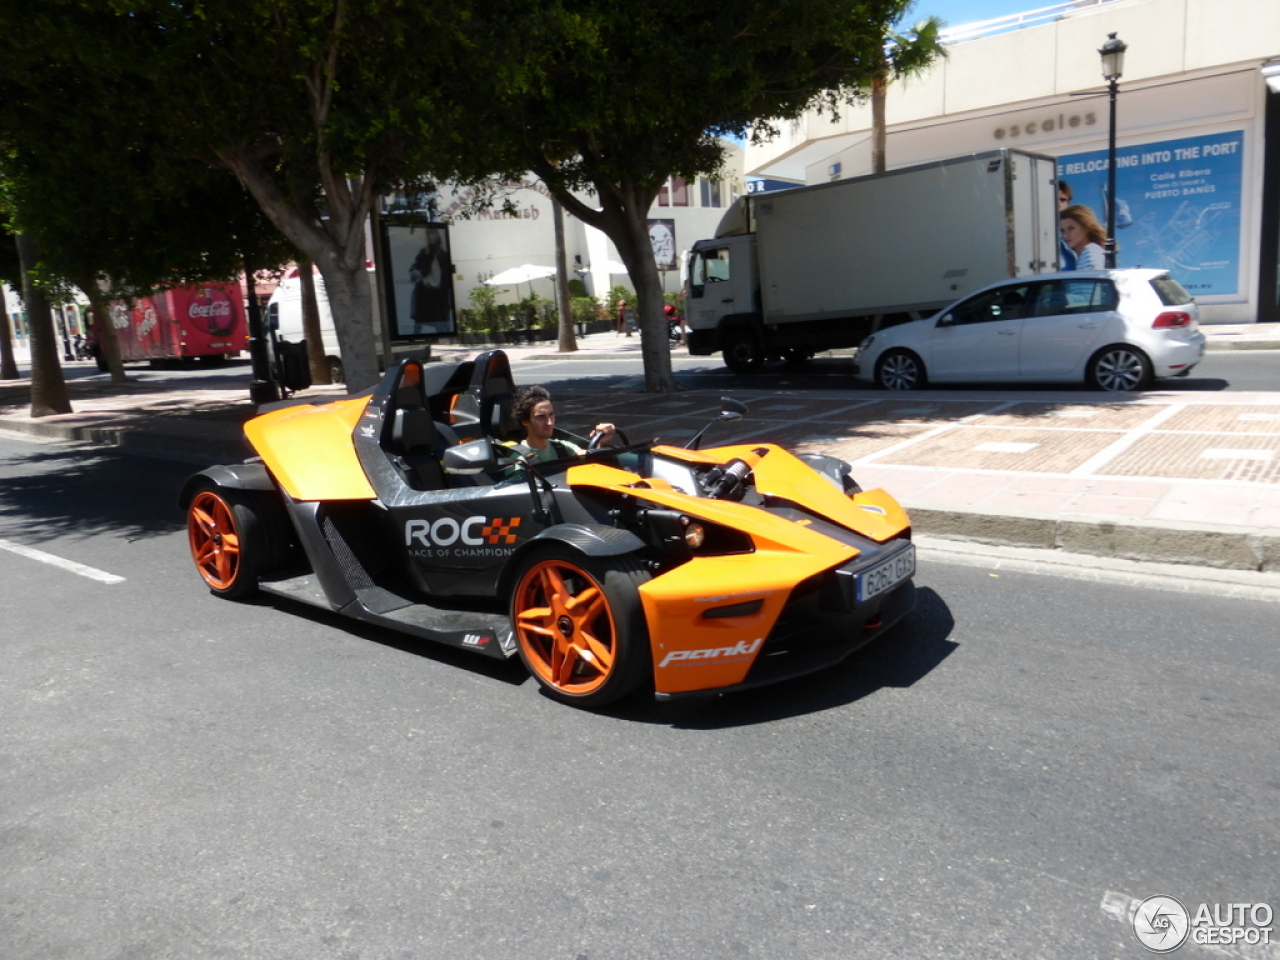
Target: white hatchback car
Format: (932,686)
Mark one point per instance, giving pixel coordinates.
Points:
(1113,329)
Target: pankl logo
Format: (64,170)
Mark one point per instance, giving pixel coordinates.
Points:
(472,536)
(737,651)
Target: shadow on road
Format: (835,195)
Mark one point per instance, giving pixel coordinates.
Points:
(68,492)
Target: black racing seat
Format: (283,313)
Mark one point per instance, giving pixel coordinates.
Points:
(415,443)
(484,408)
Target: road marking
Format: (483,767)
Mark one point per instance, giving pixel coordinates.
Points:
(1227,453)
(993,447)
(1104,456)
(69,565)
(1260,417)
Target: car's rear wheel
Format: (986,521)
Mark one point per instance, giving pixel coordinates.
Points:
(235,538)
(900,370)
(579,625)
(1119,369)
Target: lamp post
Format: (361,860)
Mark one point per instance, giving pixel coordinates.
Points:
(1112,53)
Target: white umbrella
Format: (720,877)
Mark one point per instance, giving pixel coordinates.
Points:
(525,273)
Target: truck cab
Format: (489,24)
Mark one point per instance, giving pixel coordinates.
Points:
(722,299)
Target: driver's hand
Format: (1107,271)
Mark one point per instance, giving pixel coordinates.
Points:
(606,431)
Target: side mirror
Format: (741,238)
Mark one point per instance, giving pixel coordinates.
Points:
(474,457)
(946,320)
(731,409)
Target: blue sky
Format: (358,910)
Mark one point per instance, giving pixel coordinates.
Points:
(958,12)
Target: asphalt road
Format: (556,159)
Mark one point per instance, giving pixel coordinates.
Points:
(184,777)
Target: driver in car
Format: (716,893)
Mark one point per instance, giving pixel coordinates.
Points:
(536,414)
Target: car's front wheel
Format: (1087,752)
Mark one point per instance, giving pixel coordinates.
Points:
(1119,369)
(900,370)
(579,625)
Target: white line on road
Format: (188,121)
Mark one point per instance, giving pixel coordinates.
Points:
(69,565)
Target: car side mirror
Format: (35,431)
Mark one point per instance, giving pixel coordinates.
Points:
(946,320)
(476,456)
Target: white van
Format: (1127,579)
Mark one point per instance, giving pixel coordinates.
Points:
(284,313)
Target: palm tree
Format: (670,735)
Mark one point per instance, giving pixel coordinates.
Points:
(907,54)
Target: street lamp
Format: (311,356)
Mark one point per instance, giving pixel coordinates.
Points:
(1112,53)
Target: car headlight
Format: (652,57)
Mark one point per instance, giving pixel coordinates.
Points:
(866,343)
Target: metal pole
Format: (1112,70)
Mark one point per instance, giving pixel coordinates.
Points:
(1111,183)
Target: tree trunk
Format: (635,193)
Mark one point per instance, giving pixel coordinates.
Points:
(879,91)
(336,249)
(566,341)
(623,218)
(48,387)
(8,362)
(655,347)
(316,358)
(105,329)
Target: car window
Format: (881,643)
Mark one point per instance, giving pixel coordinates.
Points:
(708,266)
(1170,291)
(1003,303)
(1058,297)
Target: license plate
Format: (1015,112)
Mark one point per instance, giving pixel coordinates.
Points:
(885,575)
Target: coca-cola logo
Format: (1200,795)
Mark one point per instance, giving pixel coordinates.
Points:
(211,312)
(119,316)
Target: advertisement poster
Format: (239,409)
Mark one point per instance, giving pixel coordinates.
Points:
(1178,206)
(662,235)
(422,281)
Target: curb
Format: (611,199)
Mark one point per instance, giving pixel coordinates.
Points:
(1233,548)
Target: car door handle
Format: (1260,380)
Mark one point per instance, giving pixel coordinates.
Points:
(727,300)
(1087,326)
(1007,333)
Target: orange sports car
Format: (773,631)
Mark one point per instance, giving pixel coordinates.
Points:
(677,569)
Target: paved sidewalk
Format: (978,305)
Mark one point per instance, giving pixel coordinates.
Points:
(1176,477)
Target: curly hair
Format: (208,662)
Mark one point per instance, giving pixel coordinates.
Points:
(525,400)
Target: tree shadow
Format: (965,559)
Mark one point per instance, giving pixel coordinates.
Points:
(71,491)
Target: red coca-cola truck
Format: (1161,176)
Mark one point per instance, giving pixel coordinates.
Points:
(206,321)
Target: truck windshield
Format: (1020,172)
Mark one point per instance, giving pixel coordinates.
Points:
(709,266)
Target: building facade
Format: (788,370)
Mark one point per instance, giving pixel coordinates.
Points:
(1198,131)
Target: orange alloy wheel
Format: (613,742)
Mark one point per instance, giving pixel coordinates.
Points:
(577,628)
(215,540)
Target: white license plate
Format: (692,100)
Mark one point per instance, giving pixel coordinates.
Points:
(886,575)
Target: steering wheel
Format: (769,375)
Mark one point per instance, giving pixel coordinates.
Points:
(593,442)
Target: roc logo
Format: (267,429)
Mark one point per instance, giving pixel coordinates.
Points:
(471,532)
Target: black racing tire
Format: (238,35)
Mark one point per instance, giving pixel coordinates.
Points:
(743,352)
(236,537)
(579,625)
(1119,368)
(900,370)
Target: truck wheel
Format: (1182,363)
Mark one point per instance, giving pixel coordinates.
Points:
(743,353)
(900,370)
(335,369)
(1119,369)
(580,626)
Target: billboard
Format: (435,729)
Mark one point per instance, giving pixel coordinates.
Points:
(1178,206)
(421,281)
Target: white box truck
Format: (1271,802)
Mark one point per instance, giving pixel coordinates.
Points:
(795,272)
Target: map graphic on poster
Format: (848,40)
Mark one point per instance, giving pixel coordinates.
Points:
(1178,209)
